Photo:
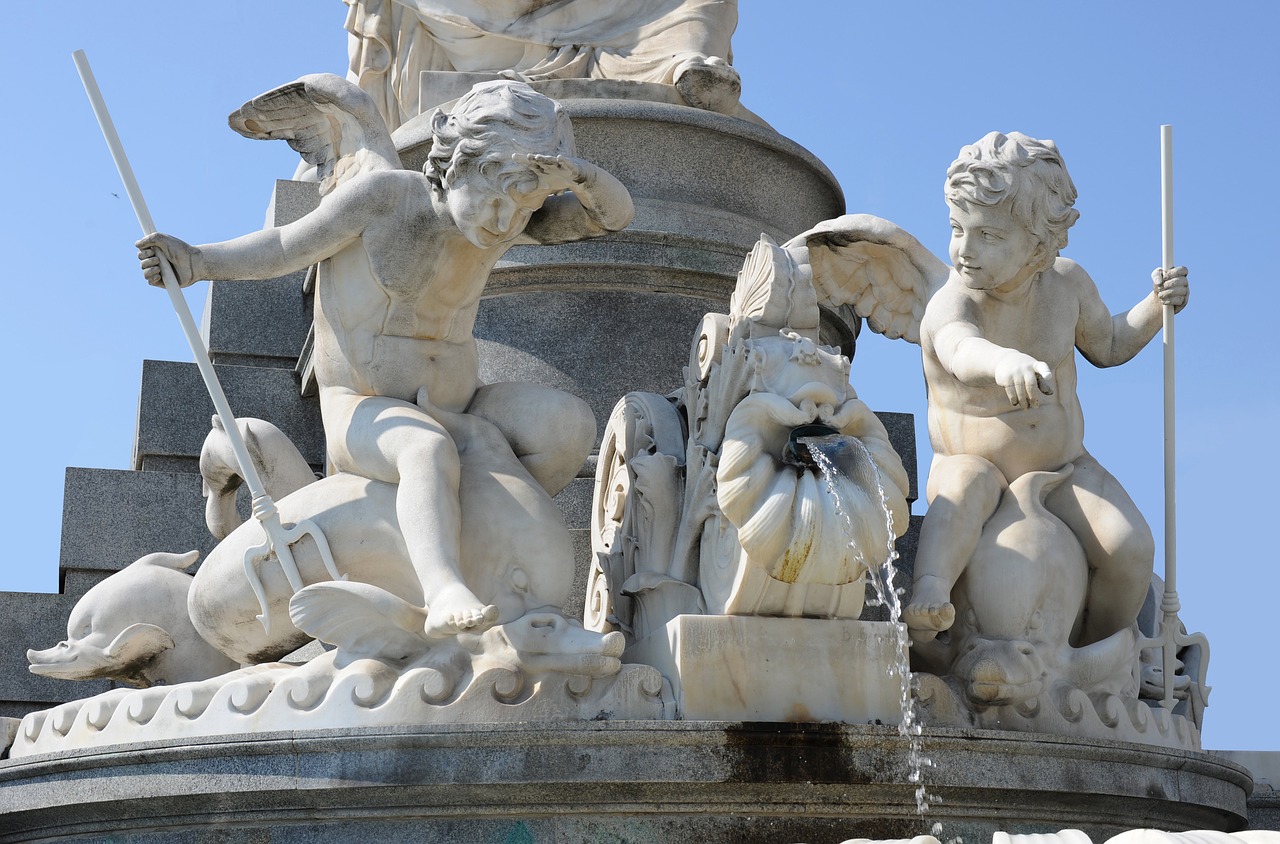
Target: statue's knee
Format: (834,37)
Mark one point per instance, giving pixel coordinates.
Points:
(432,452)
(971,482)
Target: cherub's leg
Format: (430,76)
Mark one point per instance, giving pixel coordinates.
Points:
(963,492)
(397,442)
(1117,543)
(550,431)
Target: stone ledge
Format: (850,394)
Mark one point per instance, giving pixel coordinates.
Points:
(594,781)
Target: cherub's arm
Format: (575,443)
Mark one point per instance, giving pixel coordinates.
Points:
(1107,340)
(270,253)
(597,204)
(952,332)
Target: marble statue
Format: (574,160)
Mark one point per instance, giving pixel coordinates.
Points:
(684,43)
(745,512)
(133,627)
(1031,553)
(738,517)
(454,561)
(403,259)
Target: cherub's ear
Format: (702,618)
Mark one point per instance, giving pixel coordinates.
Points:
(1042,258)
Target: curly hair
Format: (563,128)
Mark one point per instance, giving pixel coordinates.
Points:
(489,124)
(1027,173)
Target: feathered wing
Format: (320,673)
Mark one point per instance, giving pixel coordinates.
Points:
(330,121)
(876,267)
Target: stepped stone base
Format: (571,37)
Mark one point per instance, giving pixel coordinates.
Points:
(608,781)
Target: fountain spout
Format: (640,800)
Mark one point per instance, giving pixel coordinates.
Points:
(802,440)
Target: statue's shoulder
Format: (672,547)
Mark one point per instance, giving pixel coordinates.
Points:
(383,192)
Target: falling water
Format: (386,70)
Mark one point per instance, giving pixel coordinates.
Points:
(821,449)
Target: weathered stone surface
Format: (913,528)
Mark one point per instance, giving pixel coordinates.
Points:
(111,517)
(409,65)
(263,323)
(624,781)
(257,323)
(751,668)
(134,628)
(174,409)
(291,200)
(634,342)
(902,435)
(1264,802)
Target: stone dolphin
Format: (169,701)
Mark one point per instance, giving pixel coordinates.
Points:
(134,628)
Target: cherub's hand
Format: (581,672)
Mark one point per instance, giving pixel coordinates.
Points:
(1171,287)
(558,172)
(1024,378)
(182,256)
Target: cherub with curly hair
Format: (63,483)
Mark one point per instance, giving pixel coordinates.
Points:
(404,257)
(998,331)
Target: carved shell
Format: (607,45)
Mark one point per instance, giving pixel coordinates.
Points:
(793,523)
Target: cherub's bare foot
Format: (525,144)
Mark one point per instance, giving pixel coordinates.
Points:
(455,610)
(930,611)
(710,83)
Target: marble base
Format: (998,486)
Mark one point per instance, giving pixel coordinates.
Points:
(750,668)
(620,782)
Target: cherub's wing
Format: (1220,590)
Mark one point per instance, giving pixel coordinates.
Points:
(330,121)
(875,266)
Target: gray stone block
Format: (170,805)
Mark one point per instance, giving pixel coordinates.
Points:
(1264,808)
(574,502)
(901,428)
(111,517)
(263,323)
(257,323)
(904,573)
(597,345)
(291,200)
(174,410)
(582,556)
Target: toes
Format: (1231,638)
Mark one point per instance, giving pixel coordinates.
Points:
(932,616)
(473,617)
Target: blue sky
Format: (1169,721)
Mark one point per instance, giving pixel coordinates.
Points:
(884,94)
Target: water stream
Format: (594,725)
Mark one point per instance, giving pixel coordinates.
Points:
(838,454)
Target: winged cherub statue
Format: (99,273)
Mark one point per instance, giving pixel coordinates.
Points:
(403,257)
(998,330)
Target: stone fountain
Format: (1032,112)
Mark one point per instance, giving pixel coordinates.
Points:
(559,413)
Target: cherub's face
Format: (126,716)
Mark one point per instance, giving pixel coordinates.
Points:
(485,213)
(990,249)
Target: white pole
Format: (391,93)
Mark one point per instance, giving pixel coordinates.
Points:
(1170,605)
(264,509)
(220,404)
